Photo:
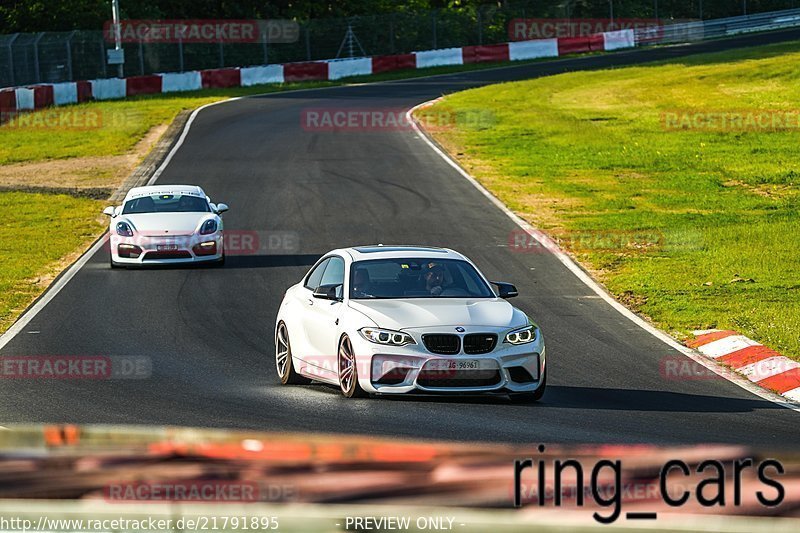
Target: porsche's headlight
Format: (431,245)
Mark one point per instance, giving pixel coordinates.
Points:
(386,336)
(522,336)
(208,227)
(124,229)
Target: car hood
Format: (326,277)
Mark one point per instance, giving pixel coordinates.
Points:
(433,312)
(161,223)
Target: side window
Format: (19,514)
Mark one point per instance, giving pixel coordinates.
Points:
(313,279)
(334,273)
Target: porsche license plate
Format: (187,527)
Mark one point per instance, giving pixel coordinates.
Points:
(167,247)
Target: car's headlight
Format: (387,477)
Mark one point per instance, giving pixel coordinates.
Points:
(522,336)
(208,227)
(386,336)
(124,229)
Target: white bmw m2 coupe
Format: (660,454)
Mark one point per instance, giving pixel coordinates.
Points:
(166,224)
(407,319)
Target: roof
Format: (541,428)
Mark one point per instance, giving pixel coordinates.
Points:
(394,251)
(187,190)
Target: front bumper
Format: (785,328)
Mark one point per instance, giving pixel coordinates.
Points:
(146,250)
(413,369)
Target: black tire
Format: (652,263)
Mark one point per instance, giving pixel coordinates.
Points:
(348,370)
(530,397)
(283,359)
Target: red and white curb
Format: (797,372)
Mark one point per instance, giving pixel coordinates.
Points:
(34,97)
(761,365)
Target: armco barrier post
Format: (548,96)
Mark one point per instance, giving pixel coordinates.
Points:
(11,59)
(36,57)
(68,45)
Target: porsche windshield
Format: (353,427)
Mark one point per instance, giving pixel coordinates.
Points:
(416,278)
(166,203)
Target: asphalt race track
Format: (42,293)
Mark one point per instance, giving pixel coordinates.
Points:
(209,331)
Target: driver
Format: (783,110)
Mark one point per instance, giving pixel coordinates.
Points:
(361,283)
(434,278)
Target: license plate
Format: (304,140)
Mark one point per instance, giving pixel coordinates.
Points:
(449,364)
(167,247)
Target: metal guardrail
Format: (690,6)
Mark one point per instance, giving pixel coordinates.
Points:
(53,57)
(697,30)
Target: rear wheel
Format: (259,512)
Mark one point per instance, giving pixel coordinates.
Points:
(530,397)
(283,359)
(348,373)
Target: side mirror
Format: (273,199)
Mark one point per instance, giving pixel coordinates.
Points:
(110,210)
(328,292)
(505,290)
(221,208)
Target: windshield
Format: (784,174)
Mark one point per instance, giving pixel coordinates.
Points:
(416,278)
(166,203)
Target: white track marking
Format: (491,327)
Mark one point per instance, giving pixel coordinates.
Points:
(726,345)
(766,368)
(51,292)
(793,394)
(699,332)
(593,285)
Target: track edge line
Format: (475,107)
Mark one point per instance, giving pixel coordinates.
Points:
(573,267)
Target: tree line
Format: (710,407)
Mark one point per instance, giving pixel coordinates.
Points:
(65,15)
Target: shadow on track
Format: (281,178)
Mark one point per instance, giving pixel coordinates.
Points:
(588,398)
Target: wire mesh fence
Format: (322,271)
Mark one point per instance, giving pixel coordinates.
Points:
(52,57)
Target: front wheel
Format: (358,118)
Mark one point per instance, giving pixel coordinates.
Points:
(530,397)
(348,371)
(283,359)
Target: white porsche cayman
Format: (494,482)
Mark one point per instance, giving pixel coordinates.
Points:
(165,224)
(407,319)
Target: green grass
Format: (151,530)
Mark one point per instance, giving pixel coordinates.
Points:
(587,157)
(123,123)
(36,233)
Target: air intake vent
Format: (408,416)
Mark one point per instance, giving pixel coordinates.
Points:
(477,343)
(442,343)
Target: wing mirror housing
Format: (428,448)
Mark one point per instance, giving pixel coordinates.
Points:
(505,290)
(328,292)
(221,208)
(110,211)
